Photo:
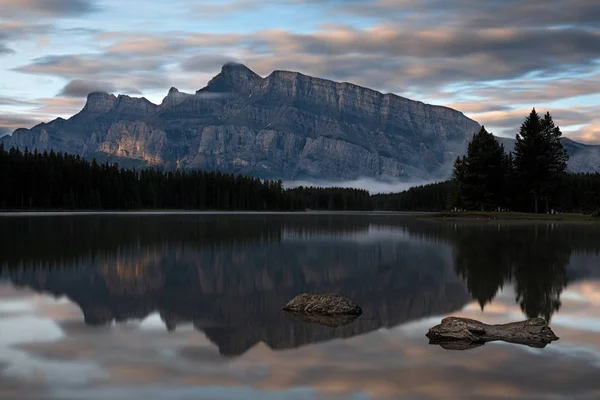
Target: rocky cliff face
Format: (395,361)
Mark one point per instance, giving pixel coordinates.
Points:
(287,125)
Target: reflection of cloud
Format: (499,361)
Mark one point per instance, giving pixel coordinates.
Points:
(387,364)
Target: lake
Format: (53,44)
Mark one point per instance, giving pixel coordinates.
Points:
(188,306)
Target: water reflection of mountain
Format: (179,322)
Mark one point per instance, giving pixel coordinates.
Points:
(229,276)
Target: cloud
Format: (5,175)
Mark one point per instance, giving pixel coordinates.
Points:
(531,91)
(40,110)
(493,13)
(128,73)
(478,106)
(87,65)
(5,50)
(205,63)
(11,8)
(58,106)
(588,134)
(147,46)
(508,122)
(10,122)
(210,95)
(224,8)
(486,59)
(81,88)
(390,56)
(15,31)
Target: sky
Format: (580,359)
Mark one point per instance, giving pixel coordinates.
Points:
(492,60)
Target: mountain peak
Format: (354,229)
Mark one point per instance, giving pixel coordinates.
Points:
(99,102)
(232,66)
(174,97)
(234,77)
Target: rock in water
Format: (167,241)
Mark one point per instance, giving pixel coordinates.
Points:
(456,333)
(323,304)
(331,320)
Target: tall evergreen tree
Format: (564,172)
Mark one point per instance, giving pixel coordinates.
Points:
(481,175)
(458,177)
(540,158)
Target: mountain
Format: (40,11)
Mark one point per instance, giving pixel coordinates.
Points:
(287,125)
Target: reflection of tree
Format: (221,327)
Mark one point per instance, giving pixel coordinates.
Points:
(539,269)
(535,256)
(478,261)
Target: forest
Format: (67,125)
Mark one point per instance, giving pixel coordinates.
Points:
(56,181)
(532,178)
(580,194)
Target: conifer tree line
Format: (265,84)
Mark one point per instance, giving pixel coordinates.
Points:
(532,178)
(55,181)
(424,198)
(487,178)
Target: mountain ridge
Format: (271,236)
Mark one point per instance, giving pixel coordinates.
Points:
(286,125)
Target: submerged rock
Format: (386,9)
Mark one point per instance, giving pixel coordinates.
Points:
(331,320)
(322,304)
(456,333)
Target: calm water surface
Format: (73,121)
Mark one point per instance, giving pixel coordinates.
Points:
(188,307)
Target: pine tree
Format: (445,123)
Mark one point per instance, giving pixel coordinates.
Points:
(458,177)
(481,174)
(540,158)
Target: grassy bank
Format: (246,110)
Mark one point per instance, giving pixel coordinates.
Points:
(518,216)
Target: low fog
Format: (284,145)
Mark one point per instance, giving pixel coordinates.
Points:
(372,185)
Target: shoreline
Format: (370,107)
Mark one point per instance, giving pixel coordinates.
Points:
(41,213)
(508,216)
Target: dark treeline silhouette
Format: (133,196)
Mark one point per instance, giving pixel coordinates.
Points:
(431,197)
(532,178)
(40,240)
(527,179)
(329,198)
(43,181)
(580,194)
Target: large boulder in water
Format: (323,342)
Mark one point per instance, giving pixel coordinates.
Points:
(323,304)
